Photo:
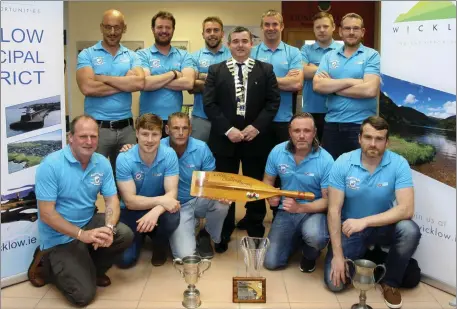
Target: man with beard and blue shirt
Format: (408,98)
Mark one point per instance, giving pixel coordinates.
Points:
(312,102)
(107,74)
(168,71)
(350,77)
(213,52)
(194,155)
(371,202)
(147,177)
(302,165)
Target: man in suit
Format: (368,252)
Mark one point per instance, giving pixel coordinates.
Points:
(241,99)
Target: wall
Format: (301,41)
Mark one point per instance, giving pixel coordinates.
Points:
(299,14)
(84,19)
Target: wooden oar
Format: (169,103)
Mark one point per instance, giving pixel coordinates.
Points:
(234,187)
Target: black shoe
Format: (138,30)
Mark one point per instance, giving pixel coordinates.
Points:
(103,281)
(242,224)
(221,247)
(36,273)
(307,266)
(159,255)
(204,247)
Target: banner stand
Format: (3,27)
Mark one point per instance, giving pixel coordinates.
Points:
(32,123)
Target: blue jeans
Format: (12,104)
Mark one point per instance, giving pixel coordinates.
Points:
(182,240)
(339,138)
(403,239)
(166,224)
(287,229)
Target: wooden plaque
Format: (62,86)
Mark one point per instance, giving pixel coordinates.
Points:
(249,290)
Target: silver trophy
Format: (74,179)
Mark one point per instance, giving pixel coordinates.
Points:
(363,280)
(254,249)
(191,268)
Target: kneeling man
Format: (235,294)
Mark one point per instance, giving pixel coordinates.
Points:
(302,165)
(194,155)
(363,186)
(147,176)
(77,245)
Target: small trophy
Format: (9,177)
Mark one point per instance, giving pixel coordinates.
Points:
(364,280)
(191,268)
(251,289)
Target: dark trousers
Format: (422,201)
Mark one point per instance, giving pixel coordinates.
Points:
(340,138)
(73,267)
(402,237)
(319,121)
(280,133)
(255,211)
(166,225)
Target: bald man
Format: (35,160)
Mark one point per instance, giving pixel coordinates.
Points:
(107,74)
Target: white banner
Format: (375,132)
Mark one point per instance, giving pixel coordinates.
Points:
(32,120)
(418,49)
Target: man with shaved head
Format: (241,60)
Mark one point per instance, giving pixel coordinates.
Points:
(107,74)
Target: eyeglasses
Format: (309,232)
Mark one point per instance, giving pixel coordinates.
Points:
(355,29)
(117,29)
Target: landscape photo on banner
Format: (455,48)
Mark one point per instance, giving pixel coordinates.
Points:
(423,127)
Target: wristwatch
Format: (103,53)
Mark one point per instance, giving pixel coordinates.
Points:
(112,228)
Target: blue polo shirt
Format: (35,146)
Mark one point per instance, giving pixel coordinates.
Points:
(116,106)
(283,59)
(149,181)
(368,194)
(310,175)
(313,102)
(163,102)
(364,61)
(197,157)
(202,60)
(61,179)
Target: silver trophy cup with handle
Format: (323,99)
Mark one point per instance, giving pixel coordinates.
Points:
(191,269)
(363,280)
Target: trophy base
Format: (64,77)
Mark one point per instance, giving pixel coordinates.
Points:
(359,306)
(191,298)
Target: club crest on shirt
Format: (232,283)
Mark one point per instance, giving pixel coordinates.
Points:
(204,63)
(382,184)
(98,61)
(353,183)
(96,179)
(334,64)
(139,176)
(309,174)
(190,165)
(283,168)
(155,63)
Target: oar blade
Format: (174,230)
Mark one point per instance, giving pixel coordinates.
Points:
(202,187)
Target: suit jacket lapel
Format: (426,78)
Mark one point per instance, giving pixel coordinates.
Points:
(230,83)
(252,77)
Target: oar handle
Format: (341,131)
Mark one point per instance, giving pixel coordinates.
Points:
(298,194)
